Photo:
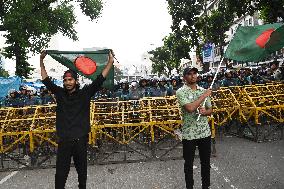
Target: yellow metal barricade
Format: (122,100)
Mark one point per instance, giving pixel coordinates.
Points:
(147,119)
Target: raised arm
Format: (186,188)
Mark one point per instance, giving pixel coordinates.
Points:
(109,64)
(42,67)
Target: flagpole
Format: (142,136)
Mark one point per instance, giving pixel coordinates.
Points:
(218,69)
(116,59)
(114,56)
(215,76)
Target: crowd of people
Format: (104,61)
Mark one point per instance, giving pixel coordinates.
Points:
(161,87)
(155,87)
(27,96)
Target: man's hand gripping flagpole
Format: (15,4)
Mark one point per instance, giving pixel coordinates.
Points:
(215,77)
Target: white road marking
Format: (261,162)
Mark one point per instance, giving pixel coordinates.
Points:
(10,175)
(227,180)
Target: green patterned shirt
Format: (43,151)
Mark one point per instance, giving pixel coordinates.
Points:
(191,129)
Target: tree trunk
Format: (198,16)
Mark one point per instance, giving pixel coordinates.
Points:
(22,66)
(2,28)
(17,55)
(169,72)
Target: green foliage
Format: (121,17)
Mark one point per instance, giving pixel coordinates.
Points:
(118,75)
(215,25)
(30,24)
(186,12)
(270,10)
(3,73)
(168,57)
(91,8)
(161,61)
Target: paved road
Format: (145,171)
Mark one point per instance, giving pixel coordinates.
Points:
(240,164)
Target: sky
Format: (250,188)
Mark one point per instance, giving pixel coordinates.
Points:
(129,27)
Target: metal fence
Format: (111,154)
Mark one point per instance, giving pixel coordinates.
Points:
(139,130)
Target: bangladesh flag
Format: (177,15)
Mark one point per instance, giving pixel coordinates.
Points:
(87,63)
(255,43)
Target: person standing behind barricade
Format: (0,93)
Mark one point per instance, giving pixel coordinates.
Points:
(73,120)
(123,92)
(244,78)
(163,86)
(155,89)
(229,80)
(218,81)
(275,71)
(47,97)
(143,89)
(133,91)
(32,98)
(23,97)
(256,78)
(262,71)
(200,81)
(174,86)
(273,74)
(195,133)
(103,93)
(41,90)
(12,100)
(208,82)
(248,74)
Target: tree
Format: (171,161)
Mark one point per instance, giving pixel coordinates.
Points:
(168,57)
(30,24)
(217,23)
(161,61)
(117,74)
(186,12)
(3,73)
(270,10)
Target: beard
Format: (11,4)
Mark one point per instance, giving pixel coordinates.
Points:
(194,81)
(69,87)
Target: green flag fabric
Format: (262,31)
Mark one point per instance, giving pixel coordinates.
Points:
(255,43)
(86,63)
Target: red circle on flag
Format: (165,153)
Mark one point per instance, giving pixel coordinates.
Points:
(86,65)
(264,37)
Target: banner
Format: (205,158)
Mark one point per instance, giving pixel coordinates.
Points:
(208,52)
(9,83)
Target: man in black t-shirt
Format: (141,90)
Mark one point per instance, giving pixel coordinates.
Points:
(72,121)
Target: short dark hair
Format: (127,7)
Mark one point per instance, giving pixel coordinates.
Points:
(189,69)
(70,73)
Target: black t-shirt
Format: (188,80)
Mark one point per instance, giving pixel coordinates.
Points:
(73,110)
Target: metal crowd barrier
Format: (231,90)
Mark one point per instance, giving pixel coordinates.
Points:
(253,111)
(139,130)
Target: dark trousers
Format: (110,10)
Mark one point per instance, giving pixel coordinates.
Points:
(204,147)
(76,148)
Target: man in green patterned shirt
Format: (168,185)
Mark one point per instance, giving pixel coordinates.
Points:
(195,133)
